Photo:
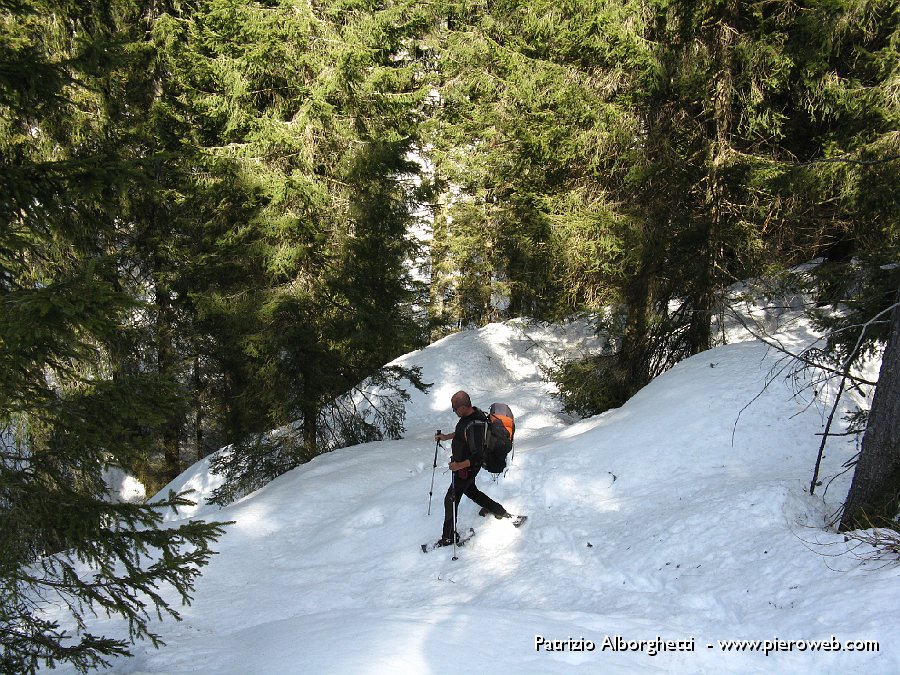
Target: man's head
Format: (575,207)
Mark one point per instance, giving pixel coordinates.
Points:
(461,403)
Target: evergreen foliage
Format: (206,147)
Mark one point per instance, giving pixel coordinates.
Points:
(205,222)
(373,411)
(746,118)
(526,138)
(67,407)
(284,283)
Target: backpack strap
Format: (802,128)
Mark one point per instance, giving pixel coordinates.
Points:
(475,434)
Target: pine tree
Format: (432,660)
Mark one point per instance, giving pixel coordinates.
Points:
(528,133)
(67,408)
(314,110)
(727,180)
(852,155)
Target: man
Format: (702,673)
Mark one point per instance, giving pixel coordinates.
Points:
(465,466)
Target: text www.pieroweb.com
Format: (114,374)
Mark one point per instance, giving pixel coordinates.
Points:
(659,645)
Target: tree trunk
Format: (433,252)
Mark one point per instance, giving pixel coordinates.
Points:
(165,362)
(876,483)
(634,357)
(198,411)
(310,433)
(711,252)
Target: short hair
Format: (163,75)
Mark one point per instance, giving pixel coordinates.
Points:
(460,399)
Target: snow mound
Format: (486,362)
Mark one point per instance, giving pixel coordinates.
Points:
(657,532)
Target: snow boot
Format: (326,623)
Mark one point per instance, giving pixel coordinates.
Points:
(484,512)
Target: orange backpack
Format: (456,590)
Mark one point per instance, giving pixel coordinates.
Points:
(502,412)
(492,441)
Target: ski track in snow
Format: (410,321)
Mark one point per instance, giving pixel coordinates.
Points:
(682,516)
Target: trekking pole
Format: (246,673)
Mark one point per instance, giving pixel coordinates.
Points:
(453,493)
(431,491)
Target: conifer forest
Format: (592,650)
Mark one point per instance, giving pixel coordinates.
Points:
(218,218)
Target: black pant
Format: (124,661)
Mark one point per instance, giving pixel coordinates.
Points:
(466,486)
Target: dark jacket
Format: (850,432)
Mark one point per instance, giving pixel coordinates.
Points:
(461,448)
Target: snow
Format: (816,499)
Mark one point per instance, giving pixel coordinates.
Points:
(682,517)
(122,486)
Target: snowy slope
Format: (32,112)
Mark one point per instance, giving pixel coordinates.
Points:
(682,517)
